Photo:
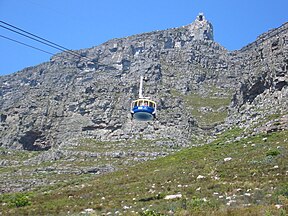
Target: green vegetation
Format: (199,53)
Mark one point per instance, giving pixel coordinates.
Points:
(273,152)
(14,154)
(150,213)
(230,176)
(16,200)
(207,110)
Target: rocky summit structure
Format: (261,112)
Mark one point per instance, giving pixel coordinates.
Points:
(201,28)
(200,88)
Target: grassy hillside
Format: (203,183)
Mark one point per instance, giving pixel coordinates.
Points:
(234,175)
(209,107)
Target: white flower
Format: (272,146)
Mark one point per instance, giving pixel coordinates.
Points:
(89,210)
(173,196)
(278,206)
(276,167)
(227,159)
(200,177)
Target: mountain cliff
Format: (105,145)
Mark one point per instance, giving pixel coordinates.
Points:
(201,90)
(68,97)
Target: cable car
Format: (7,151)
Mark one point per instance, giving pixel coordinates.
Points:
(143,109)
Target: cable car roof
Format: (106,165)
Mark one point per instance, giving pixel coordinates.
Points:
(144,99)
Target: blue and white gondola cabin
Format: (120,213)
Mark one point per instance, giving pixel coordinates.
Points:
(143,109)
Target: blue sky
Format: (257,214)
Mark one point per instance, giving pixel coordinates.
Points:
(86,23)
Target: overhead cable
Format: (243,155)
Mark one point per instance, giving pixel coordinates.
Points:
(31,38)
(40,39)
(34,35)
(16,41)
(33,47)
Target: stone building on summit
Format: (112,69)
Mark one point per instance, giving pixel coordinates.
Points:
(201,29)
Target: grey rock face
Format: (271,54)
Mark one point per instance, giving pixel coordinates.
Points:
(263,89)
(70,97)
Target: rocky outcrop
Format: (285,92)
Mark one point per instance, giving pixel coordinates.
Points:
(201,28)
(263,90)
